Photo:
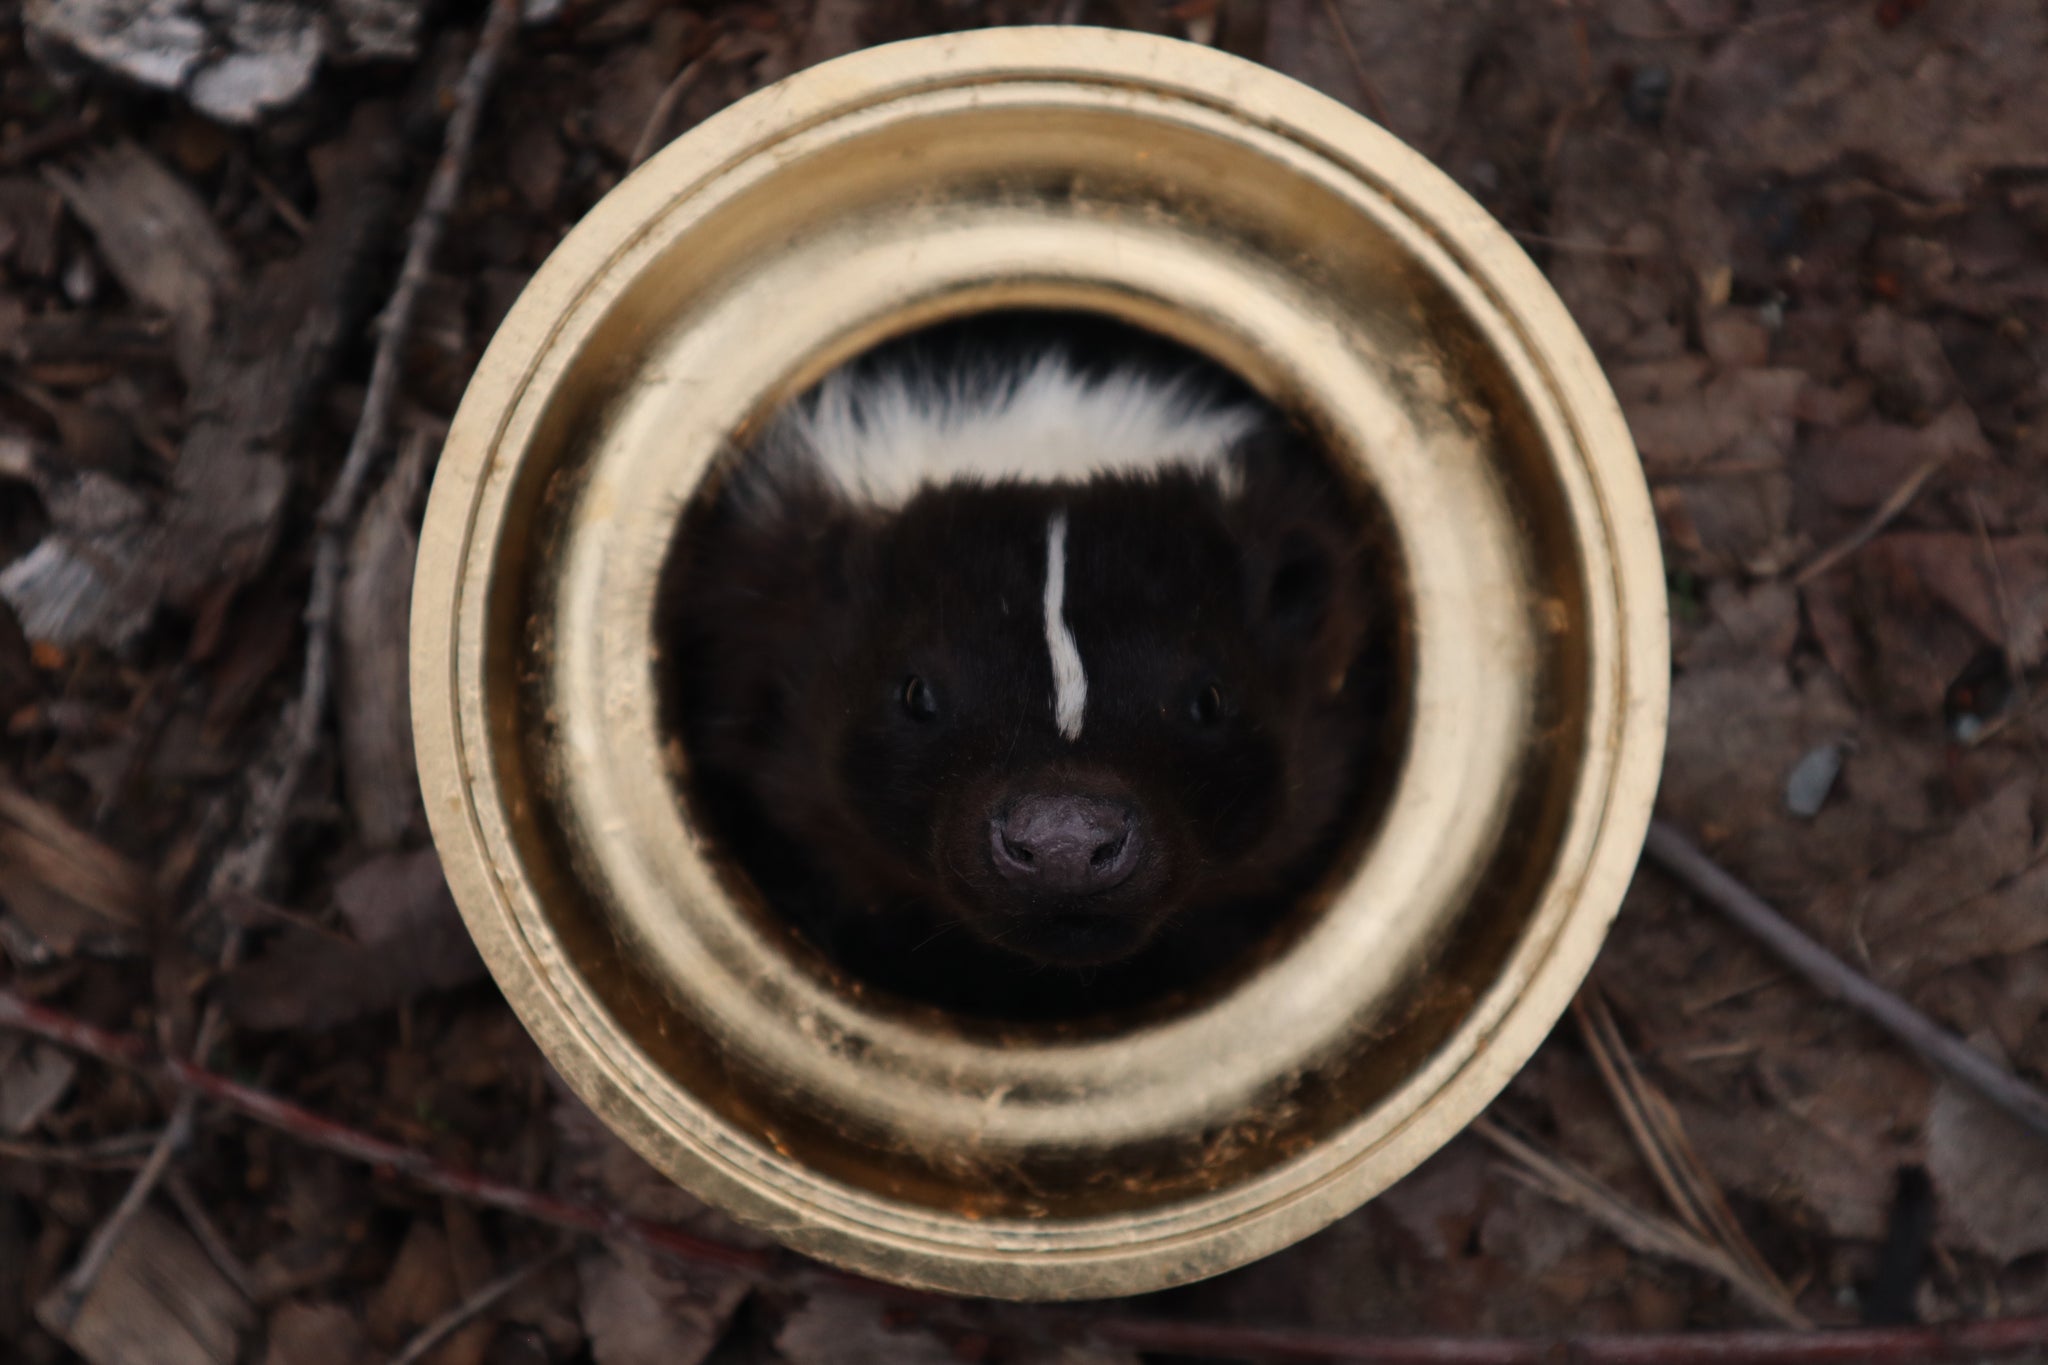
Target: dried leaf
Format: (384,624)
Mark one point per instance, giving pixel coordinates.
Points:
(158,239)
(1933,104)
(1991,1173)
(32,1079)
(159,1301)
(408,938)
(842,1330)
(2002,593)
(419,1287)
(642,1311)
(316,1334)
(371,701)
(67,887)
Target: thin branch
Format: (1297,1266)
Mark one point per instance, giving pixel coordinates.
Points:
(208,1234)
(1836,979)
(1646,1232)
(651,140)
(1667,1149)
(1366,90)
(1897,501)
(477,1304)
(1881,1346)
(249,869)
(64,1305)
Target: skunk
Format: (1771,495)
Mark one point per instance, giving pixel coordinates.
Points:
(1030,681)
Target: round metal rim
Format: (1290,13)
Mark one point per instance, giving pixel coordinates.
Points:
(1285,1204)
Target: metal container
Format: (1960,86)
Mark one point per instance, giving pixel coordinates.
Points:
(1230,209)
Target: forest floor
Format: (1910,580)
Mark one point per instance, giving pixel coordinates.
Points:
(1807,238)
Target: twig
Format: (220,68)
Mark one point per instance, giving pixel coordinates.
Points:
(54,136)
(1886,1346)
(124,1153)
(1897,501)
(1836,979)
(1576,246)
(2015,676)
(249,869)
(1646,1232)
(70,1295)
(1366,90)
(210,1241)
(664,112)
(452,1321)
(1667,1149)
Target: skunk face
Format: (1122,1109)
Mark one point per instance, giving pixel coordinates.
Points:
(1071,714)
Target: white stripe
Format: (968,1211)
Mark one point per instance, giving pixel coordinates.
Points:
(880,438)
(1069,683)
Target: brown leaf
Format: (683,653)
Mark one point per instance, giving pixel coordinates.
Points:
(1933,104)
(371,699)
(159,1301)
(1991,1173)
(592,1161)
(1746,417)
(1759,623)
(157,237)
(419,1287)
(640,1310)
(29,216)
(1857,467)
(1837,1123)
(1980,890)
(1415,57)
(842,1330)
(316,1334)
(1954,569)
(408,938)
(1905,357)
(33,1077)
(70,889)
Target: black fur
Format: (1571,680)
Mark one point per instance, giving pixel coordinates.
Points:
(861,693)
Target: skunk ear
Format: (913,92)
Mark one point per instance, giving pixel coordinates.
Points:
(1296,581)
(1304,543)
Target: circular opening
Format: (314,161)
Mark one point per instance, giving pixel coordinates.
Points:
(974,725)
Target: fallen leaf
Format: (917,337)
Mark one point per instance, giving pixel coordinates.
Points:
(1991,1174)
(1979,890)
(371,698)
(159,1301)
(1933,105)
(1856,467)
(67,887)
(32,1079)
(157,237)
(316,1334)
(640,1310)
(419,1287)
(844,1330)
(408,939)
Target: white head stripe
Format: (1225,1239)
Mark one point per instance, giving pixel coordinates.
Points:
(879,438)
(1069,682)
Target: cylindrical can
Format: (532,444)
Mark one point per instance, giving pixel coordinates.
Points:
(1342,276)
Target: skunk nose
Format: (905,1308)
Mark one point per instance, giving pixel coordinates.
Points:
(1070,845)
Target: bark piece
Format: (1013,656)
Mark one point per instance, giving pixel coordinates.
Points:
(160,1301)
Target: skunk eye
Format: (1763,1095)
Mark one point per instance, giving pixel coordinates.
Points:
(1210,706)
(918,702)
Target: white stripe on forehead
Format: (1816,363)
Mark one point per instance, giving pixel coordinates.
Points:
(1069,682)
(880,437)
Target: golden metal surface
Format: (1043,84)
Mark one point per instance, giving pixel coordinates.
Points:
(1346,278)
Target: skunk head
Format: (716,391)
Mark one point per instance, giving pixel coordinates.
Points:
(1052,657)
